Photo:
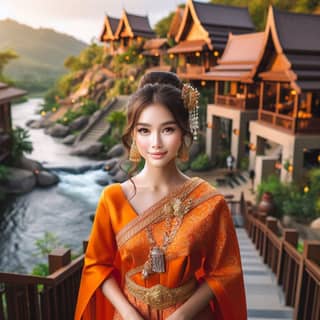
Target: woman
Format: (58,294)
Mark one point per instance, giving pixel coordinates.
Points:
(163,245)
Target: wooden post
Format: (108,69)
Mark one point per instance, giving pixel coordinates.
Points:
(271,223)
(311,251)
(58,258)
(216,89)
(291,236)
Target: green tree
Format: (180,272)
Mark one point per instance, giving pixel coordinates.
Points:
(162,27)
(117,120)
(90,56)
(5,58)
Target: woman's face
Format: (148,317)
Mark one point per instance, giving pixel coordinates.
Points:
(158,136)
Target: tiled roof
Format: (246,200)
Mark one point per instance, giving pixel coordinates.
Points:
(239,57)
(221,15)
(188,46)
(114,24)
(140,26)
(156,43)
(8,93)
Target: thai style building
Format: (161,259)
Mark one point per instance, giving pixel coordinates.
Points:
(289,105)
(203,35)
(132,29)
(236,96)
(7,94)
(107,36)
(155,51)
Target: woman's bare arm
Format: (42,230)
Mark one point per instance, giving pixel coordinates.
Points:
(197,302)
(114,294)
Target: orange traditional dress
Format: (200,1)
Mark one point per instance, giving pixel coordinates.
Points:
(203,248)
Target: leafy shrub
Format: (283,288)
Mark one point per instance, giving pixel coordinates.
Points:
(20,143)
(201,163)
(279,191)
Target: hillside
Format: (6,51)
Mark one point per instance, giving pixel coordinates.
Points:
(41,53)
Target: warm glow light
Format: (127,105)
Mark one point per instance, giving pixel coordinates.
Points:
(65,119)
(278,165)
(318,158)
(43,113)
(293,92)
(171,56)
(252,147)
(131,78)
(236,132)
(203,83)
(54,109)
(209,125)
(216,53)
(306,189)
(157,54)
(197,54)
(127,58)
(140,56)
(290,168)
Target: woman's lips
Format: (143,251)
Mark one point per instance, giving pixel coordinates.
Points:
(158,155)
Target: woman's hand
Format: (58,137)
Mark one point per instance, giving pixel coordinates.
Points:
(178,315)
(132,314)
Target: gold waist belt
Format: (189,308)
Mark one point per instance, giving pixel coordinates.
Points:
(160,297)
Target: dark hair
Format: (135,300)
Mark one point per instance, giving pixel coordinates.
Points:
(161,77)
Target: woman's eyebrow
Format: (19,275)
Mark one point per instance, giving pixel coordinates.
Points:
(162,124)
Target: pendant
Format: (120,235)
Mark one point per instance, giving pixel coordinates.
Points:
(157,260)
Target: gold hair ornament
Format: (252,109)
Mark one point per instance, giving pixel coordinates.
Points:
(190,97)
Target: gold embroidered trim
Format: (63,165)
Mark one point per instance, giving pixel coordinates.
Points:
(160,297)
(152,214)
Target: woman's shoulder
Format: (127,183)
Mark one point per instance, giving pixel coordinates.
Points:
(111,191)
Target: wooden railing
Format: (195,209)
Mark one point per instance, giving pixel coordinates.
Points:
(240,103)
(191,69)
(26,297)
(289,123)
(297,273)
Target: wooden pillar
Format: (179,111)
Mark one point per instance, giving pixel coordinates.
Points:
(216,91)
(261,98)
(295,113)
(291,236)
(58,258)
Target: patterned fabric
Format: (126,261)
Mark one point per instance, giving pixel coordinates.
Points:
(204,247)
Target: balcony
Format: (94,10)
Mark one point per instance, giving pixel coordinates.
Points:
(238,102)
(191,71)
(305,123)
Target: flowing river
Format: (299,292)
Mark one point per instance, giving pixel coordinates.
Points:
(63,210)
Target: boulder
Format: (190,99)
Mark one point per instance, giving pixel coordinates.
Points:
(116,151)
(19,181)
(89,150)
(79,123)
(70,139)
(109,164)
(315,224)
(120,176)
(28,164)
(58,130)
(46,179)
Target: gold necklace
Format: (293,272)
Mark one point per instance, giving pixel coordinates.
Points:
(174,212)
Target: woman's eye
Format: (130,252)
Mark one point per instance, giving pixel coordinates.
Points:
(143,130)
(169,130)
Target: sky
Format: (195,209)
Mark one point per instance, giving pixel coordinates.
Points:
(82,19)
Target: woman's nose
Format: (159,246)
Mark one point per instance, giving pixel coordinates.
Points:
(156,140)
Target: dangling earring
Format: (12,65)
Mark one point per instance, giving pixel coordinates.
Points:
(134,154)
(183,153)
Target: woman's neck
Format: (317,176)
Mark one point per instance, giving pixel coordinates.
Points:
(160,179)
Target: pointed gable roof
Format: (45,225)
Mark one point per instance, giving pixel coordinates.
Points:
(240,58)
(295,38)
(9,93)
(109,28)
(175,23)
(214,22)
(134,26)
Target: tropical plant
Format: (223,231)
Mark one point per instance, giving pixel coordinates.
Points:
(20,143)
(117,120)
(201,163)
